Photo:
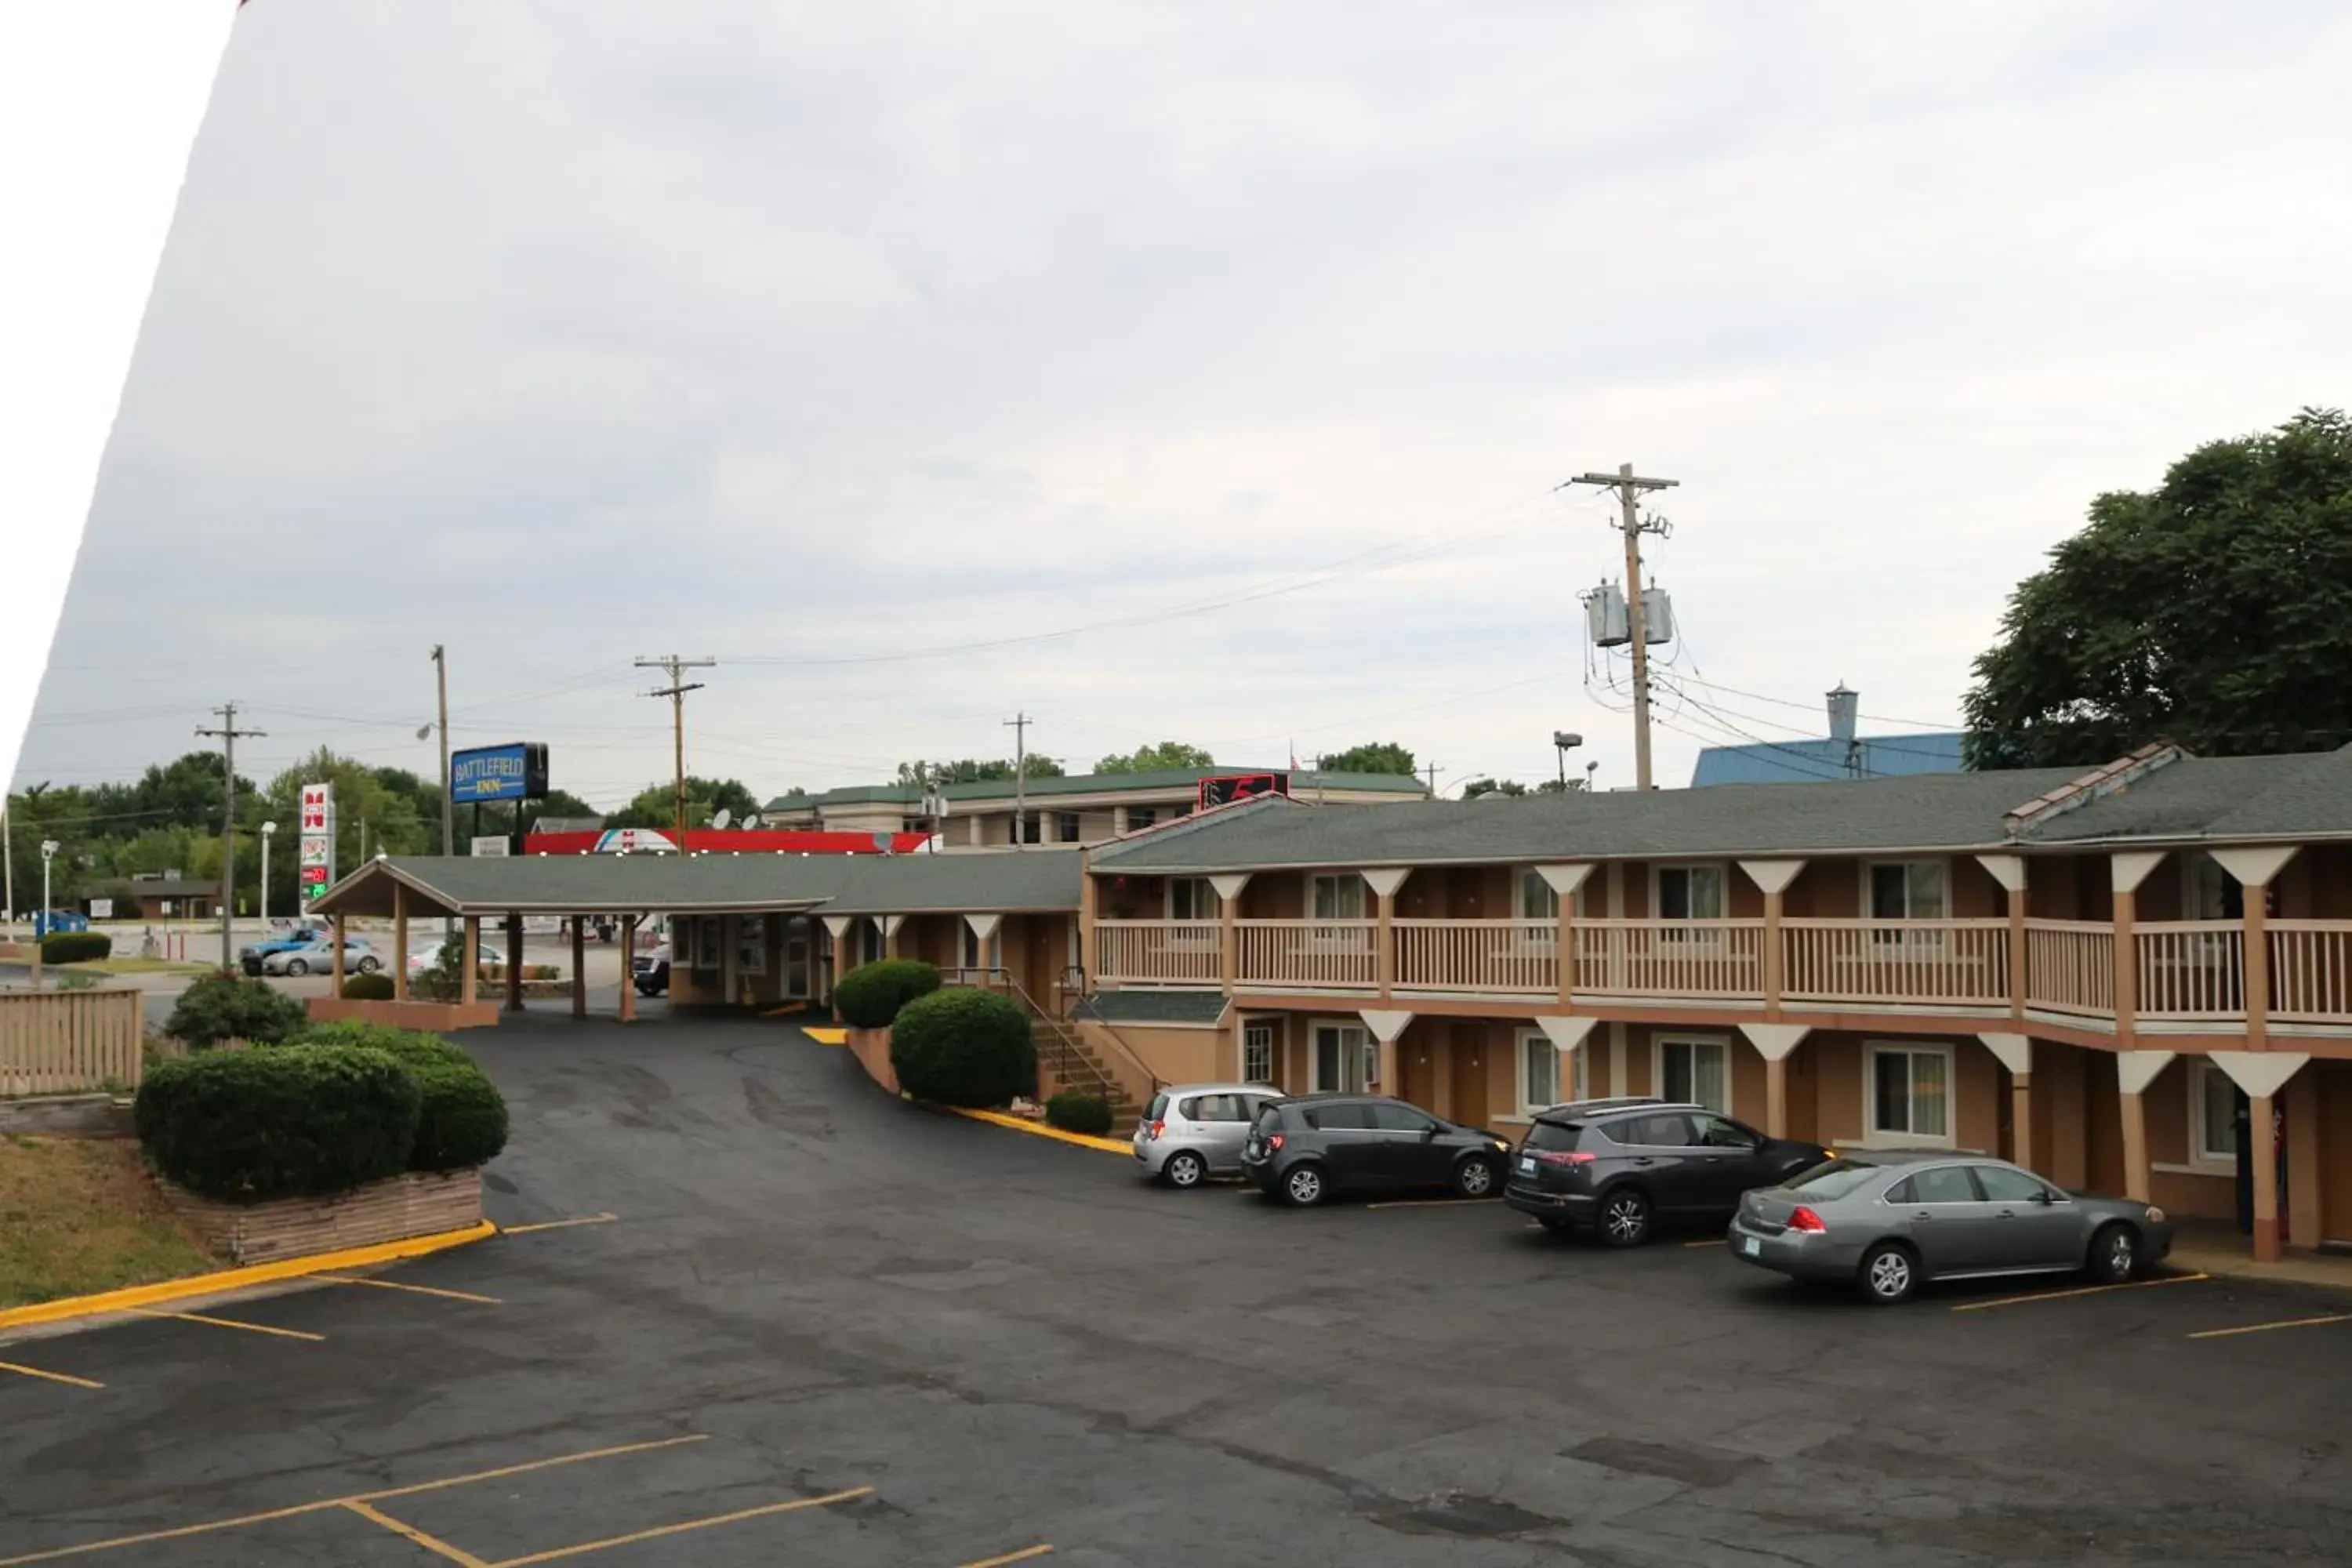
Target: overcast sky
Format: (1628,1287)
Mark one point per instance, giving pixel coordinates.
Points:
(1216,363)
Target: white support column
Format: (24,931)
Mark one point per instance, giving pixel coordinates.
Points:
(2261,1074)
(1386,1026)
(1384,882)
(1567,1037)
(1776,1043)
(983,927)
(2015,1052)
(2134,1071)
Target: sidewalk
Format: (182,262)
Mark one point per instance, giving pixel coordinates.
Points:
(2208,1247)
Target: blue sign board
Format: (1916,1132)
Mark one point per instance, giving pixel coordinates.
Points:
(514,771)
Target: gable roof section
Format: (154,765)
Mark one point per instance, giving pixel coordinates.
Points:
(2194,798)
(1302,781)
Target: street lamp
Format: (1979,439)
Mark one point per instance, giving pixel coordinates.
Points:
(41,925)
(269,831)
(1565,742)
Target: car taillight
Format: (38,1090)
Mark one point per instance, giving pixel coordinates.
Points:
(1274,1140)
(1565,1156)
(1806,1219)
(1157,1130)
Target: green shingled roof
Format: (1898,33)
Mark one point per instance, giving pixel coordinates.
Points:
(1154,1004)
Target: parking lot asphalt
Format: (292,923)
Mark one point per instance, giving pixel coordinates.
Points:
(750,1310)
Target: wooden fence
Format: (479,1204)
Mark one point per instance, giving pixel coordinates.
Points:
(70,1042)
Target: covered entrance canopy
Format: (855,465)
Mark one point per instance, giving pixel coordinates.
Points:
(501,888)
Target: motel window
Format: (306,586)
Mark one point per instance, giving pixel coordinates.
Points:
(1910,1092)
(1538,1072)
(2213,893)
(1533,899)
(2212,1114)
(1338,896)
(1907,890)
(1344,1058)
(1690,893)
(1032,825)
(1066,827)
(1140,816)
(1192,899)
(1257,1053)
(1697,1072)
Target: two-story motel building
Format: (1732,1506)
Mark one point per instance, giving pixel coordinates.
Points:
(2113,975)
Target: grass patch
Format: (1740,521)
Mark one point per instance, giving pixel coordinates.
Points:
(133,965)
(80,1216)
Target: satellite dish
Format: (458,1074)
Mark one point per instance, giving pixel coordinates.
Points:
(750,822)
(721,817)
(882,842)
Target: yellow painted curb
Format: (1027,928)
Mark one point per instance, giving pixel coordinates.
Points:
(826,1037)
(238,1279)
(1039,1130)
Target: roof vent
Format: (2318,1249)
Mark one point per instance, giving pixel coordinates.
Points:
(2103,780)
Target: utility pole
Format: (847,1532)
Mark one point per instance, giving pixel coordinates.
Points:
(1432,780)
(676,691)
(1020,724)
(1629,489)
(449,809)
(228,734)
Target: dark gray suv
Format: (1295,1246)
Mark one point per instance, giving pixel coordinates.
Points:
(1616,1167)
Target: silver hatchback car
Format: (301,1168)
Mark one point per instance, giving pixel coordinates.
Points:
(1191,1131)
(1891,1221)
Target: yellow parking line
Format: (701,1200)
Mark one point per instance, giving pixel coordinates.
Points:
(438,1547)
(1428,1203)
(557,1224)
(228,1323)
(414,1289)
(49,1376)
(299,1509)
(1022,1555)
(2265,1328)
(680,1528)
(2086,1291)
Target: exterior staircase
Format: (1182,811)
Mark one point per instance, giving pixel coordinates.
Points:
(1064,1056)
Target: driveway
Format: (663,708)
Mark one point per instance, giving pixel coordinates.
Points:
(822,1327)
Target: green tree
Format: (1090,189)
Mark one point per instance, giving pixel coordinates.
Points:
(1477,787)
(656,805)
(2215,610)
(971,771)
(1379,757)
(1152,759)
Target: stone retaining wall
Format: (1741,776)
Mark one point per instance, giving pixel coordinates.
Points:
(414,1205)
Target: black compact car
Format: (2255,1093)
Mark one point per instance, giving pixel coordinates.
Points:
(1303,1151)
(650,972)
(1615,1167)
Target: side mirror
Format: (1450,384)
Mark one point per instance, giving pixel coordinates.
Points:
(2043,1197)
(1429,1133)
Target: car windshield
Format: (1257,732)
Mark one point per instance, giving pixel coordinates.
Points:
(1554,1135)
(1832,1178)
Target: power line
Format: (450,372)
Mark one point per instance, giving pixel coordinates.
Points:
(676,691)
(1630,488)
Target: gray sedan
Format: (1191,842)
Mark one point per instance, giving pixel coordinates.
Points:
(1891,1221)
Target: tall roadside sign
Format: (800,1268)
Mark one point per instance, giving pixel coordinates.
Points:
(317,872)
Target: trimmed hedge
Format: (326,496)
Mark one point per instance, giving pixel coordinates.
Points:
(75,946)
(368,988)
(1073,1112)
(965,1047)
(462,1119)
(870,995)
(247,1126)
(226,1005)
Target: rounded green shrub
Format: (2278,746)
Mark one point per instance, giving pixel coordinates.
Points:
(247,1126)
(75,946)
(226,1006)
(368,988)
(1073,1112)
(463,1119)
(870,995)
(964,1047)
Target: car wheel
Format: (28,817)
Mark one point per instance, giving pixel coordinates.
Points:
(1625,1217)
(295,966)
(1475,1178)
(369,966)
(1184,1168)
(1889,1274)
(1304,1186)
(2114,1255)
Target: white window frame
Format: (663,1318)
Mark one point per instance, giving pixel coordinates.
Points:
(1314,1057)
(1863,897)
(1204,888)
(1657,902)
(1272,1024)
(1658,1044)
(1874,1136)
(1338,879)
(1520,877)
(2201,1156)
(1565,1093)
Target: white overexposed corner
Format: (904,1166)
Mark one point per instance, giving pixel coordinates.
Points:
(99,105)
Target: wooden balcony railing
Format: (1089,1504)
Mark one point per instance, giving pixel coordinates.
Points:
(2192,969)
(2070,967)
(1950,962)
(1340,955)
(1710,959)
(1159,953)
(1478,955)
(2189,972)
(2311,971)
